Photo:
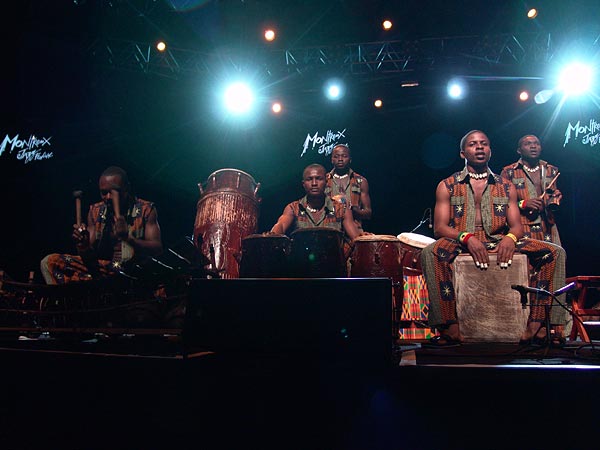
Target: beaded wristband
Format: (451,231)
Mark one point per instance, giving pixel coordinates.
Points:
(513,237)
(522,204)
(464,237)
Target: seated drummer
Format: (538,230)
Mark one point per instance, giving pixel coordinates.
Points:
(316,209)
(476,211)
(110,237)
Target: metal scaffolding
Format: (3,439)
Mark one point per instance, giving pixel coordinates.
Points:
(512,52)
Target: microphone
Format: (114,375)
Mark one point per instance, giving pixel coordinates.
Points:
(523,290)
(564,289)
(430,223)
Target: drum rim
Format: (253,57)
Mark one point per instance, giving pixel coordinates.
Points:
(316,229)
(372,238)
(260,235)
(231,169)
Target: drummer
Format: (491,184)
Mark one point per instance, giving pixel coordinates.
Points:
(118,228)
(348,187)
(316,209)
(476,211)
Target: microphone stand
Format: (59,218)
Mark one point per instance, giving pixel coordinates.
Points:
(547,338)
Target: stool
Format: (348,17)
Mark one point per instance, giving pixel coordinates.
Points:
(488,310)
(583,284)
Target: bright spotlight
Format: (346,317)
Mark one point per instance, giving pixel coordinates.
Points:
(276,107)
(378,103)
(387,24)
(270,35)
(238,98)
(456,89)
(161,46)
(532,13)
(334,90)
(524,96)
(575,79)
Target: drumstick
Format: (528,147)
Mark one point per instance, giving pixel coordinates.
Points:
(550,185)
(114,196)
(78,195)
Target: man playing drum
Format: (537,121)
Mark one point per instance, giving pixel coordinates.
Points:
(348,187)
(118,227)
(476,211)
(315,209)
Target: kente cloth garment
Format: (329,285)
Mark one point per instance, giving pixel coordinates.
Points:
(63,268)
(350,196)
(546,260)
(331,216)
(541,226)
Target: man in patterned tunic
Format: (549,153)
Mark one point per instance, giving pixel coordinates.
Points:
(531,177)
(476,211)
(109,238)
(316,209)
(348,187)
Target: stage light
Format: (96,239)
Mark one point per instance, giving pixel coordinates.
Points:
(532,13)
(378,103)
(270,35)
(543,96)
(575,79)
(161,46)
(238,98)
(387,24)
(276,107)
(457,89)
(334,89)
(524,96)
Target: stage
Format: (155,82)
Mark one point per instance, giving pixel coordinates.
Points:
(153,391)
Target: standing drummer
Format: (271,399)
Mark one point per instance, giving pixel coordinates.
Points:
(538,200)
(476,211)
(348,187)
(118,228)
(316,209)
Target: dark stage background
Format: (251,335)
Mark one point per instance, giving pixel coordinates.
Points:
(167,133)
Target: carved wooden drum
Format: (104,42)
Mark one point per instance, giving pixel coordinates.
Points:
(226,213)
(265,256)
(377,256)
(317,253)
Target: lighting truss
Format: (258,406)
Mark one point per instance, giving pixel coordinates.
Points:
(477,53)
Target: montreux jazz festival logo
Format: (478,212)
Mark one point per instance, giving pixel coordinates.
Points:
(323,143)
(586,133)
(34,148)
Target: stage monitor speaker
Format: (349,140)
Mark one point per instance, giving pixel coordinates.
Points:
(334,319)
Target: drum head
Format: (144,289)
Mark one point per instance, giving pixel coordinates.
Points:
(415,240)
(221,172)
(376,238)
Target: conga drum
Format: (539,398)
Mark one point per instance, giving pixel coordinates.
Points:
(317,253)
(226,213)
(380,256)
(414,314)
(265,256)
(412,246)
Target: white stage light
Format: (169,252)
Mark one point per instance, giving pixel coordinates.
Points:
(575,79)
(457,89)
(238,98)
(334,89)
